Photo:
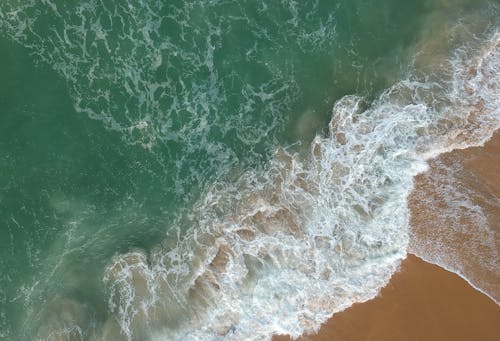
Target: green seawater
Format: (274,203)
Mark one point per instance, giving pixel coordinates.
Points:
(115,116)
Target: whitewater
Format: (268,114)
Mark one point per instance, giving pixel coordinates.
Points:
(280,247)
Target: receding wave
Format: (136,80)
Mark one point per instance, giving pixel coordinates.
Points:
(460,237)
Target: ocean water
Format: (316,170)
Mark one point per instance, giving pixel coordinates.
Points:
(223,170)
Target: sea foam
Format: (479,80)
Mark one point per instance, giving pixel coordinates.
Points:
(283,248)
(460,238)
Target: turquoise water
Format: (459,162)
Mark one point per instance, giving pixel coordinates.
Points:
(119,118)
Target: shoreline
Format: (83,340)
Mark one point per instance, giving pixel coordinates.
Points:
(427,299)
(461,190)
(422,301)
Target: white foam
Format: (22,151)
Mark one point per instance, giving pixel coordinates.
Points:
(474,98)
(152,73)
(282,249)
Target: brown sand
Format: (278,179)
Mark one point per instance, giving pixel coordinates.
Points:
(455,214)
(423,301)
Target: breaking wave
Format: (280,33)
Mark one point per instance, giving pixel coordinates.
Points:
(282,248)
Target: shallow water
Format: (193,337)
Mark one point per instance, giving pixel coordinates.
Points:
(463,188)
(174,170)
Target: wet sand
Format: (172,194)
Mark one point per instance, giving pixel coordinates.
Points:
(455,214)
(423,301)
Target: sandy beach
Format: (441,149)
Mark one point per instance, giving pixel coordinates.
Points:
(423,301)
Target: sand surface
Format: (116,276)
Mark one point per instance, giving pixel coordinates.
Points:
(423,301)
(455,214)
